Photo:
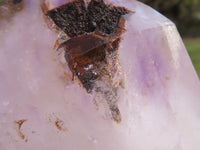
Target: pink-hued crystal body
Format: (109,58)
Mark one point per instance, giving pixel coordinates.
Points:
(159,105)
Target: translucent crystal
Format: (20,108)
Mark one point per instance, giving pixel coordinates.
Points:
(42,108)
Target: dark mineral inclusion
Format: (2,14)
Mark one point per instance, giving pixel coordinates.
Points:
(94,29)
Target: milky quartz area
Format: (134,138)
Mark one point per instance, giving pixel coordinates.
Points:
(160,105)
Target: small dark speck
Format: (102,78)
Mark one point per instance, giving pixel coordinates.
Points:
(60,125)
(20,123)
(33,132)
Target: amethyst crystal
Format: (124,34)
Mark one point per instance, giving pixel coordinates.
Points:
(128,87)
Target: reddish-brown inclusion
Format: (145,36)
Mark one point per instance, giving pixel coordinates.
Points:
(94,32)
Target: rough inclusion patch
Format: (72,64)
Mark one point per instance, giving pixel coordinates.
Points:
(94,29)
(159,106)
